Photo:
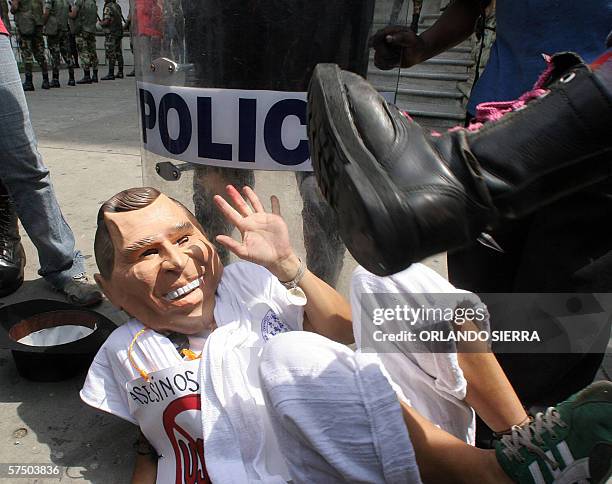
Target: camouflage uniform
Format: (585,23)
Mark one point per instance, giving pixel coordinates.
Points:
(85,30)
(29,20)
(56,30)
(417,5)
(113,29)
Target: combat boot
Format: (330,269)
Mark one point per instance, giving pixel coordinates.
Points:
(55,81)
(94,77)
(71,76)
(111,72)
(45,83)
(120,70)
(12,255)
(402,194)
(86,77)
(27,83)
(414,26)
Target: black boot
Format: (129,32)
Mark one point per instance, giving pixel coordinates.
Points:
(94,77)
(27,83)
(86,77)
(120,70)
(55,81)
(401,194)
(45,82)
(132,73)
(414,26)
(12,255)
(111,72)
(71,76)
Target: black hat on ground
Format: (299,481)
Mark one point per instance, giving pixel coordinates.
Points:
(41,351)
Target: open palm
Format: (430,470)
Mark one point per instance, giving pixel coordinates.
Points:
(265,237)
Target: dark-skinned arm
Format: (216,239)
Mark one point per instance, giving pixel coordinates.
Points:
(454,26)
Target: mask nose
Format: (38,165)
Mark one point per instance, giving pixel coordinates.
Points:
(175,258)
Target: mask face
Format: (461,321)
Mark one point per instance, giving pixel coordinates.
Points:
(166,271)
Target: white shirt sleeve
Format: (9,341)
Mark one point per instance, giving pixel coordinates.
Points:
(105,385)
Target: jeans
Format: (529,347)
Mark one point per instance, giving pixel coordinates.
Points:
(27,179)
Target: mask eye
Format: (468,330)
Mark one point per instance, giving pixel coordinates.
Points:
(149,252)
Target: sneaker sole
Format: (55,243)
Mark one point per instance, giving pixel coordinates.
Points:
(351,180)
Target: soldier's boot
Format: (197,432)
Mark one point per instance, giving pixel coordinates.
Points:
(55,81)
(414,26)
(402,194)
(71,76)
(12,255)
(94,77)
(86,77)
(111,72)
(120,70)
(132,73)
(27,83)
(45,84)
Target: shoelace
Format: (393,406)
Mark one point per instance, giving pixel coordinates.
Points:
(523,437)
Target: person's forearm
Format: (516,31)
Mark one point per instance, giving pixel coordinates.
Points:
(328,312)
(454,26)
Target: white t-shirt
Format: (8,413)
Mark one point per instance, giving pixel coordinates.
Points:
(433,383)
(167,407)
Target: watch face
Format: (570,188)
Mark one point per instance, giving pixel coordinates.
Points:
(296,296)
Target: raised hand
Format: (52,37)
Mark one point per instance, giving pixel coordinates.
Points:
(265,237)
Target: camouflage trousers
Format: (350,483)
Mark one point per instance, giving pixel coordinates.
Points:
(33,47)
(59,48)
(86,42)
(417,5)
(114,50)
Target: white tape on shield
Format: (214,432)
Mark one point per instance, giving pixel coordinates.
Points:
(235,128)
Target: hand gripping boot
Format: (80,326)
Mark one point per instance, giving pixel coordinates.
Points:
(401,194)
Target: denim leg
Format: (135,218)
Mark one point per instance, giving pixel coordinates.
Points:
(28,182)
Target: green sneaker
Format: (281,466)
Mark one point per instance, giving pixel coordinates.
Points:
(569,443)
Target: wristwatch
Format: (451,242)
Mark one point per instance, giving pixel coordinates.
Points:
(295,294)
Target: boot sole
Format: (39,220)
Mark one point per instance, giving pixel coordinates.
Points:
(352,181)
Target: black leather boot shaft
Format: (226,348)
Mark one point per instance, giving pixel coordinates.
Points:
(28,85)
(55,81)
(45,83)
(12,255)
(111,72)
(71,81)
(557,145)
(86,77)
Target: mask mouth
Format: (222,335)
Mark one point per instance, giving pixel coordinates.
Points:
(183,291)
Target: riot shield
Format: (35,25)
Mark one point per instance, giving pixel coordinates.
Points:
(222,99)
